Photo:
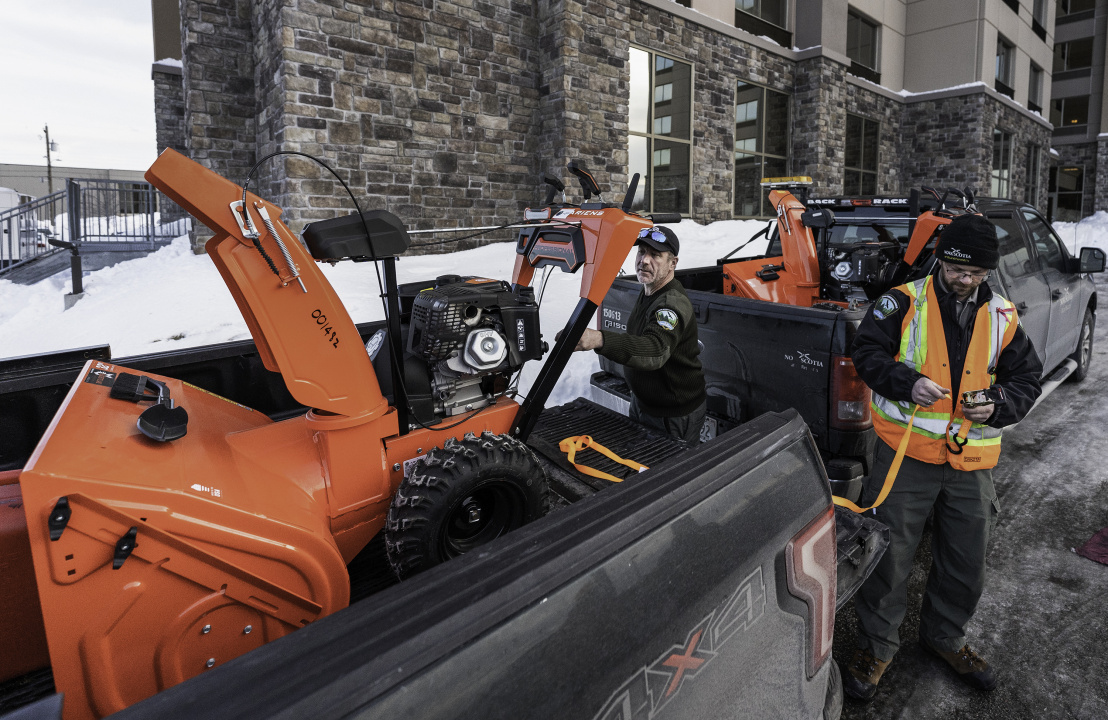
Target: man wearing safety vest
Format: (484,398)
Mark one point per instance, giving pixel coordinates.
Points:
(921,346)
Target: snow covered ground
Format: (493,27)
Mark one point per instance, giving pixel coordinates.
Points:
(173,299)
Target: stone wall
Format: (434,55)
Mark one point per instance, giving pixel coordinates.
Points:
(169,108)
(217,42)
(169,122)
(948,142)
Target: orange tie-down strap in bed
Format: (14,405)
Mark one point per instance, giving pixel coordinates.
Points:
(571,445)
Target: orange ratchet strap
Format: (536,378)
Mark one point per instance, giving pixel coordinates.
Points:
(571,445)
(890,477)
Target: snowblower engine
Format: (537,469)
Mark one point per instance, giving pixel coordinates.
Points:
(860,271)
(474,334)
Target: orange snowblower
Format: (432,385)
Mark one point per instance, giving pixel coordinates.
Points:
(172,530)
(811,273)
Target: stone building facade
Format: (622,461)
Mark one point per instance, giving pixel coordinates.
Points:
(448,112)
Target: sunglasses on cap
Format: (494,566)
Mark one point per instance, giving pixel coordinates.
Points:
(653,234)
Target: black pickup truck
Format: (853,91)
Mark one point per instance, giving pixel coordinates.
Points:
(761,356)
(707,585)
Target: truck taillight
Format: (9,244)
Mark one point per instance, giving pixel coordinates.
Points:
(850,397)
(811,563)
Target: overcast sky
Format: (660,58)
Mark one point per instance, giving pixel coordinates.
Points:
(83,67)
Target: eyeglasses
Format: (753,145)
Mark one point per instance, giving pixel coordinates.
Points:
(654,234)
(963,274)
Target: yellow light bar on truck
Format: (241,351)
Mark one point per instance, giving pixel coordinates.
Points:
(784,181)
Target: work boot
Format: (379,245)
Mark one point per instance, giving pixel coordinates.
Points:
(862,675)
(970,666)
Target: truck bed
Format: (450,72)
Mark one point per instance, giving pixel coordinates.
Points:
(480,599)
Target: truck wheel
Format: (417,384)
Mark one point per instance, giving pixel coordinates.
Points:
(461,496)
(1083,355)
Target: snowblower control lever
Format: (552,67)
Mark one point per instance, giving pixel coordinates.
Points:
(588,184)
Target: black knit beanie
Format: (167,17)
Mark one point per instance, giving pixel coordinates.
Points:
(969,240)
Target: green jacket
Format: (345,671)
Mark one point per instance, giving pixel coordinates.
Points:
(660,353)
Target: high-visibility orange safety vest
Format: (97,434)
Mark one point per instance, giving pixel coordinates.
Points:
(940,430)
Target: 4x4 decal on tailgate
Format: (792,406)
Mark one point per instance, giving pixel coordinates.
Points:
(652,687)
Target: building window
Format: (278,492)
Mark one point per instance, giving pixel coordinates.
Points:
(1038,18)
(1069,112)
(772,11)
(1073,55)
(1035,89)
(1005,59)
(1072,7)
(763,17)
(1000,185)
(761,145)
(1067,193)
(1031,175)
(659,140)
(861,46)
(860,175)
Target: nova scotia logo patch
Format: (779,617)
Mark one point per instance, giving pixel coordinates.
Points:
(886,306)
(666,318)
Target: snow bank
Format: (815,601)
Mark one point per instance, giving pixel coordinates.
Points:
(173,299)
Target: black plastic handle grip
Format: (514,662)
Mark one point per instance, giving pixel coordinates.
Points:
(659,218)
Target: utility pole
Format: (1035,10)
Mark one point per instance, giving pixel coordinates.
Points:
(49,165)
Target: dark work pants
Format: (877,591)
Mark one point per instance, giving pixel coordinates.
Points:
(682,427)
(966,508)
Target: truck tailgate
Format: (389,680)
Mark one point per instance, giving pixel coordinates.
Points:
(667,589)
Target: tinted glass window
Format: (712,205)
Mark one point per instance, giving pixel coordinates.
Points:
(876,232)
(1015,258)
(1046,242)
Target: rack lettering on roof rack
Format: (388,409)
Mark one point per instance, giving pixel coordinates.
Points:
(858,202)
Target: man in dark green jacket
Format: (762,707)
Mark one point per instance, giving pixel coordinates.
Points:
(660,351)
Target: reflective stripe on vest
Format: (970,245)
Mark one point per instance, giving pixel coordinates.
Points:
(923,348)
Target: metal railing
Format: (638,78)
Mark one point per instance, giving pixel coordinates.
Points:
(26,230)
(90,214)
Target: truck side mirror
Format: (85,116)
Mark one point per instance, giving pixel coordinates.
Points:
(818,219)
(1092,260)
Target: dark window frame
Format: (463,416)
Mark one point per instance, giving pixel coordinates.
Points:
(1005,68)
(652,139)
(754,23)
(864,168)
(764,209)
(858,21)
(1062,127)
(1000,179)
(1033,172)
(1057,195)
(1065,49)
(1035,89)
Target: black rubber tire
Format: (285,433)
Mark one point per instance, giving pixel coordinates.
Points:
(461,496)
(1083,355)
